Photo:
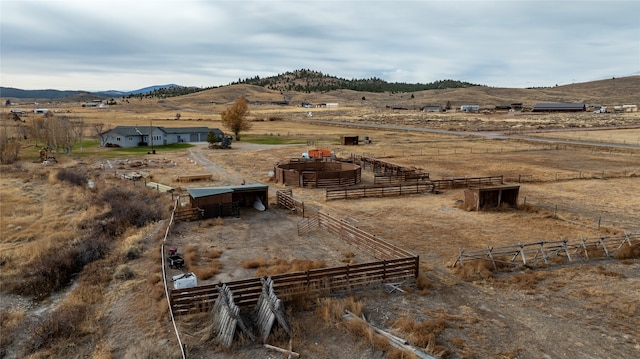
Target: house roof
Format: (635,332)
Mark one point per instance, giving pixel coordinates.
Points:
(214,191)
(144,130)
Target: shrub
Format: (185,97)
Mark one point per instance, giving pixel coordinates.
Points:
(62,323)
(123,272)
(72,176)
(55,268)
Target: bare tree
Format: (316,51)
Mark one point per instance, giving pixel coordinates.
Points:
(233,117)
(99,130)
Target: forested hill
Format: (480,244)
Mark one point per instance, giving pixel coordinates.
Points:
(314,81)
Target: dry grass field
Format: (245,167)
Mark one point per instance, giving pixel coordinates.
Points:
(80,267)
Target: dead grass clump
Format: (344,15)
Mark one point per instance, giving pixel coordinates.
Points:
(628,252)
(214,254)
(348,258)
(608,273)
(527,280)
(62,324)
(424,334)
(191,257)
(331,310)
(266,267)
(423,284)
(150,349)
(124,272)
(254,263)
(10,322)
(192,261)
(474,270)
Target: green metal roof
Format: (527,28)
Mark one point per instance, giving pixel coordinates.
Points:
(214,191)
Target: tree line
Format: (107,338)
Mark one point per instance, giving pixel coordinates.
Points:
(314,81)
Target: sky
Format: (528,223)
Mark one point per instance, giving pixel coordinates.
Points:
(126,45)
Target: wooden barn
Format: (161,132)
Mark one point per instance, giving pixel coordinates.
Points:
(349,140)
(491,197)
(227,200)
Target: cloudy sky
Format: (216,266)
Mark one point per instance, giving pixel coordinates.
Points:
(126,45)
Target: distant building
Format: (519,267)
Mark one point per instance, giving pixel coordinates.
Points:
(559,107)
(132,136)
(432,108)
(470,108)
(327,105)
(40,111)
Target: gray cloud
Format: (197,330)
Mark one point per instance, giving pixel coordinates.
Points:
(122,45)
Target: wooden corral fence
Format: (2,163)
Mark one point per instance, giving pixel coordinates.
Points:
(399,179)
(387,169)
(378,191)
(396,265)
(317,173)
(285,200)
(465,182)
(309,224)
(289,285)
(548,252)
(411,187)
(373,245)
(199,177)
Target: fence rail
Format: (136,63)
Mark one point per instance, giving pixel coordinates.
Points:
(411,188)
(378,191)
(285,200)
(548,251)
(312,282)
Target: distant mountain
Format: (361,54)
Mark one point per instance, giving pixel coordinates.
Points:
(10,92)
(144,90)
(50,94)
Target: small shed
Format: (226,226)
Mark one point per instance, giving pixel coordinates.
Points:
(477,198)
(226,201)
(349,140)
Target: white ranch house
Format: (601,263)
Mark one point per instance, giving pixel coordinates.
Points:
(132,136)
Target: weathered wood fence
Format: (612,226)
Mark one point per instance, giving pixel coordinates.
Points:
(546,252)
(465,182)
(289,285)
(396,265)
(411,188)
(383,168)
(285,200)
(378,191)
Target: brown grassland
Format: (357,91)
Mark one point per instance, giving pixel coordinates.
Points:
(81,272)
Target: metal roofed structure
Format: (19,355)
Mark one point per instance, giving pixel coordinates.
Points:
(559,107)
(227,200)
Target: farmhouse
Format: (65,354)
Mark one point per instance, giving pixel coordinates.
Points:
(132,136)
(227,200)
(559,107)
